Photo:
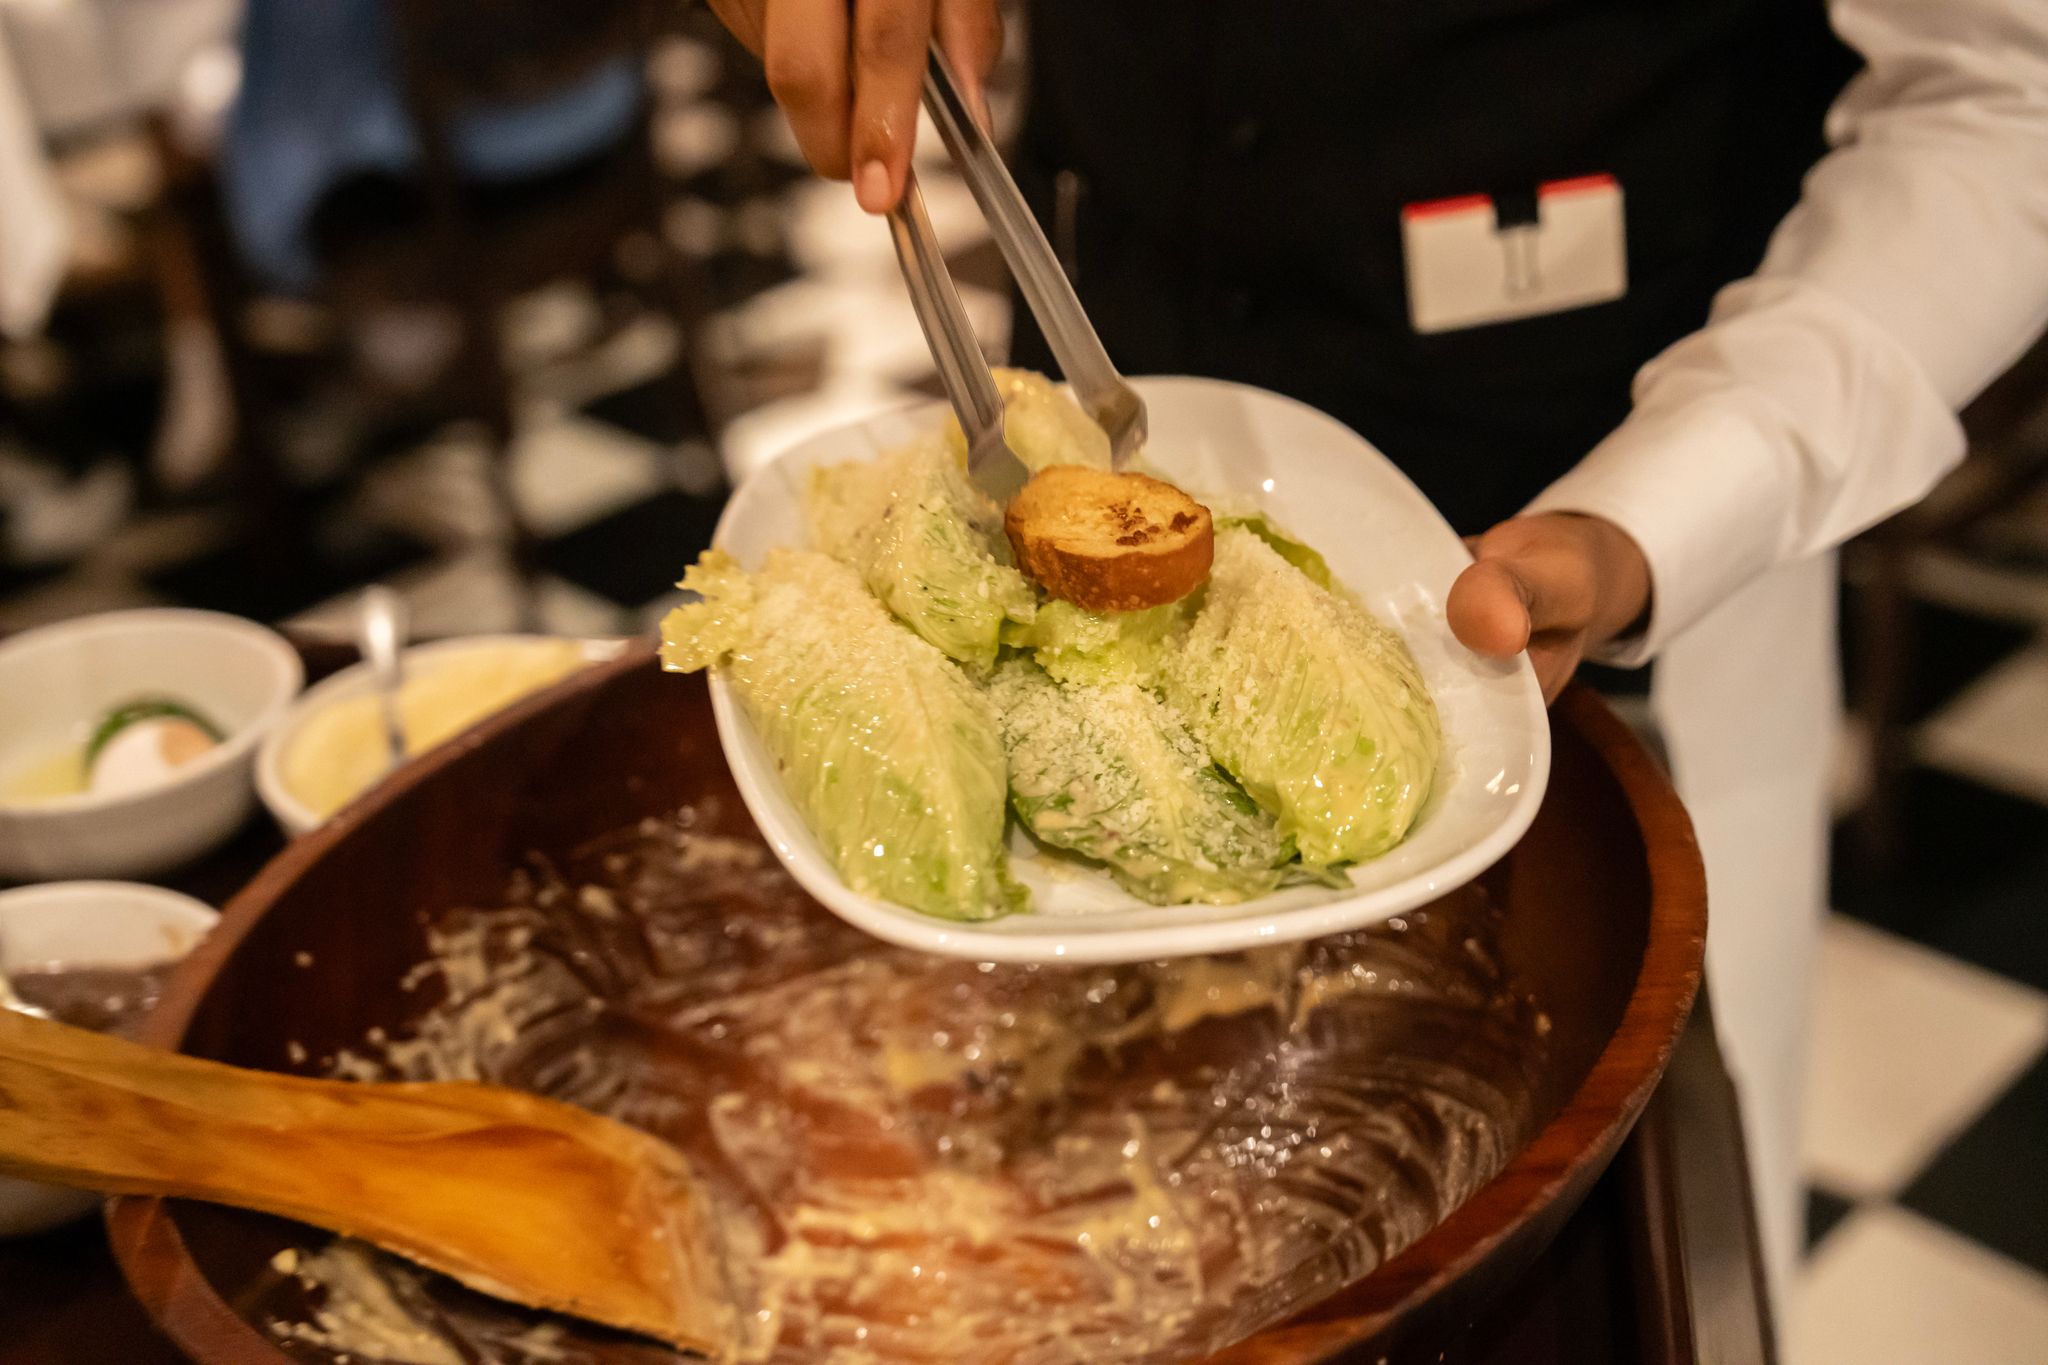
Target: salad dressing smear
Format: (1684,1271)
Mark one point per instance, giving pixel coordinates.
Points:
(914,1158)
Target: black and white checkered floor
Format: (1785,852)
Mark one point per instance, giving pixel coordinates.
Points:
(1927,1119)
(1926,1116)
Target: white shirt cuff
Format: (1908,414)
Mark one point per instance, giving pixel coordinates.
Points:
(1696,485)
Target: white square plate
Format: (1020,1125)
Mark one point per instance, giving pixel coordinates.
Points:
(1383,540)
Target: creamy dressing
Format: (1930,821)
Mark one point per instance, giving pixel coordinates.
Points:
(59,772)
(361,1314)
(142,754)
(340,750)
(915,1158)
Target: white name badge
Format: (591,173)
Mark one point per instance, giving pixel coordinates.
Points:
(1466,270)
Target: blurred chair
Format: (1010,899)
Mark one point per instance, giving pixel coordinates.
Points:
(2007,462)
(439,238)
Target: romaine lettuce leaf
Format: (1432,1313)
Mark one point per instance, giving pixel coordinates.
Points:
(1315,707)
(1111,773)
(1298,553)
(927,543)
(890,753)
(1042,423)
(1080,646)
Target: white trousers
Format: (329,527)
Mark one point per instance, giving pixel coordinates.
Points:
(1749,702)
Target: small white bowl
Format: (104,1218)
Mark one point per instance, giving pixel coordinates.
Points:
(1384,542)
(56,682)
(293,815)
(86,924)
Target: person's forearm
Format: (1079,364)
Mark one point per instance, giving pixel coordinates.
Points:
(1820,397)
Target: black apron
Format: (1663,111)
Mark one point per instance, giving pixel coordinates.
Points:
(1235,173)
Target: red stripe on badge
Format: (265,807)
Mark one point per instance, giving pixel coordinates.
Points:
(1577,184)
(1461,204)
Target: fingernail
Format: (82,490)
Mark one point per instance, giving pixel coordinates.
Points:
(871,187)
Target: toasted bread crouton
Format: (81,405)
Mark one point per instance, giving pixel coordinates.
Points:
(1110,542)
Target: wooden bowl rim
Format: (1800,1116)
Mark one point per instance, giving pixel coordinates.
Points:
(160,1271)
(1674,949)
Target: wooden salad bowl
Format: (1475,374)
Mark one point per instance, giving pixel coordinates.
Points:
(1605,909)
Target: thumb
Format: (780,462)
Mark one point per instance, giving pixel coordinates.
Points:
(1489,609)
(1535,577)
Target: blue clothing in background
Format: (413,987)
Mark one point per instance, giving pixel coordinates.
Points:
(321,101)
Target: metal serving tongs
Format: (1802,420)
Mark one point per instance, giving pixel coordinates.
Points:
(963,370)
(1048,293)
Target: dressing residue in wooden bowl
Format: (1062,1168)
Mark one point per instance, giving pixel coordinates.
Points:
(917,1158)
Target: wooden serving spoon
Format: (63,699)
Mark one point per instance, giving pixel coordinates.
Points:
(516,1196)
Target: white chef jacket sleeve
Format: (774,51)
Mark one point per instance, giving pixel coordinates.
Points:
(1820,396)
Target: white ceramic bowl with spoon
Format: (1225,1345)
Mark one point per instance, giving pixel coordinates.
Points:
(330,747)
(100,925)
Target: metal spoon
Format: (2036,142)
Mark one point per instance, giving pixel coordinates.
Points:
(380,632)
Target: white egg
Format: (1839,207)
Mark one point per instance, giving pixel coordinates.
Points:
(147,752)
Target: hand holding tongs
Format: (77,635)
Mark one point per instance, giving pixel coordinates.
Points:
(963,371)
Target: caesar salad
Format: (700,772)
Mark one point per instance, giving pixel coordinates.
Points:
(1244,725)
